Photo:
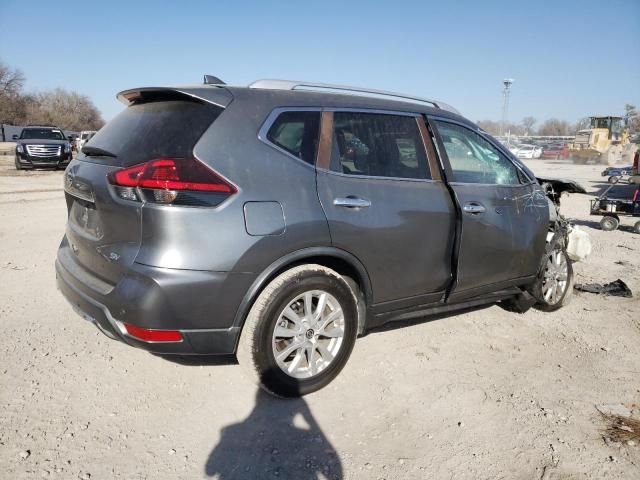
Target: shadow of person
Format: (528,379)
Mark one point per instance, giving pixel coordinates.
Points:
(279,439)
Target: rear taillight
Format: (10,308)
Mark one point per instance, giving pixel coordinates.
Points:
(636,162)
(175,181)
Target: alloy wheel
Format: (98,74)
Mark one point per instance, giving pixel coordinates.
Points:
(308,334)
(556,276)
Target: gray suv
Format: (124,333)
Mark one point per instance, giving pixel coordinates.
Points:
(279,221)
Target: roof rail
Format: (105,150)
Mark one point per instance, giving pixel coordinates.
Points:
(300,85)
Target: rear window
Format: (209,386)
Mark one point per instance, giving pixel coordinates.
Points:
(297,133)
(145,131)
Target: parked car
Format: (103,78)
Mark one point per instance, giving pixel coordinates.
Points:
(556,151)
(537,151)
(42,146)
(278,224)
(513,148)
(528,151)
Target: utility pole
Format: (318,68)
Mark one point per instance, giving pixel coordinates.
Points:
(507,82)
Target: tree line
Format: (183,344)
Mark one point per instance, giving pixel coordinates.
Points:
(65,109)
(554,126)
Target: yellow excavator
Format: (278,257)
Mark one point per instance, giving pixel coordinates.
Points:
(606,141)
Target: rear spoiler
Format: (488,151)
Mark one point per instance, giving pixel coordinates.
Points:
(217,95)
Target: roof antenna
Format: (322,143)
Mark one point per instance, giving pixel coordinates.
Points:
(211,80)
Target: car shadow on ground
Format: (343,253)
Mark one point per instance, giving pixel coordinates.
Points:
(279,439)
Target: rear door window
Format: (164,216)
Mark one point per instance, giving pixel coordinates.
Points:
(296,132)
(378,145)
(145,131)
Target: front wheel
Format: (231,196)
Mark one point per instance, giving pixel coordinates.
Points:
(553,287)
(300,331)
(18,166)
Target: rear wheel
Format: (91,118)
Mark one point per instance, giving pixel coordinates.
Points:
(300,331)
(554,285)
(609,223)
(636,227)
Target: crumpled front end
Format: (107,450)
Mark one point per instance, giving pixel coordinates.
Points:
(577,241)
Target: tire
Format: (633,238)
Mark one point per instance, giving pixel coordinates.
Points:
(636,227)
(609,223)
(554,267)
(613,180)
(259,342)
(18,166)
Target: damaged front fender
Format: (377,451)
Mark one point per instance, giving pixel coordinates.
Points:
(555,187)
(577,242)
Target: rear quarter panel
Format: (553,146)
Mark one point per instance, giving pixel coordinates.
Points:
(216,239)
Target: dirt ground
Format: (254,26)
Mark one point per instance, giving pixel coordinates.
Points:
(486,394)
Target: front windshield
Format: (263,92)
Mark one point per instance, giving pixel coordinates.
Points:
(42,133)
(602,122)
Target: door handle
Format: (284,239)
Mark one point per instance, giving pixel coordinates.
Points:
(351,202)
(474,208)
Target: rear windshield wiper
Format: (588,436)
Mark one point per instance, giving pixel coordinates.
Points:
(98,152)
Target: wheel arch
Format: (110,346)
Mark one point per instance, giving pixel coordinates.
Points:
(339,260)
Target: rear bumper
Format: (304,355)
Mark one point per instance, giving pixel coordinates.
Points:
(162,299)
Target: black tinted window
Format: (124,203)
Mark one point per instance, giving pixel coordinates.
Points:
(156,129)
(378,145)
(297,133)
(42,133)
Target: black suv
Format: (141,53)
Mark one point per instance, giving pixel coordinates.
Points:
(42,146)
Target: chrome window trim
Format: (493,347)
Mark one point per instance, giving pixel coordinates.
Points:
(504,185)
(373,177)
(266,125)
(481,133)
(373,111)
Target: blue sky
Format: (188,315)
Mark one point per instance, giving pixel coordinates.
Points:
(569,58)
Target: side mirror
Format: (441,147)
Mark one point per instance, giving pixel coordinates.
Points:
(14,136)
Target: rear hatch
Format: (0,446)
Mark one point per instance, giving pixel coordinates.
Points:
(104,225)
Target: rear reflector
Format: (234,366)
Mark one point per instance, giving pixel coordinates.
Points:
(153,335)
(171,181)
